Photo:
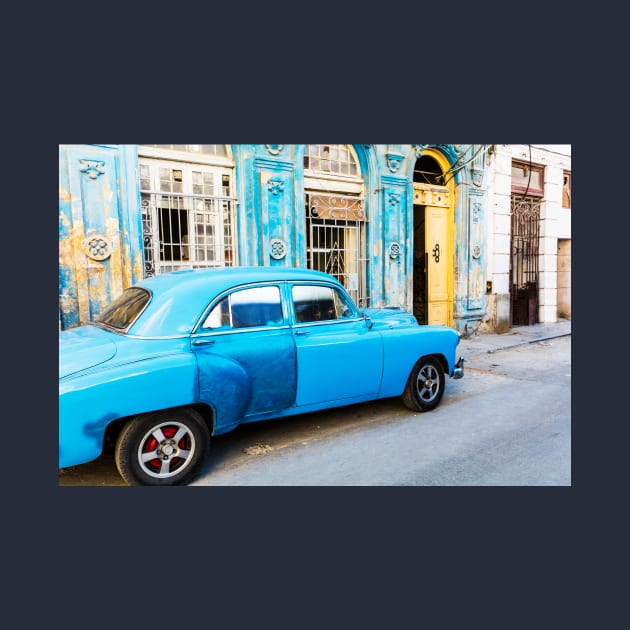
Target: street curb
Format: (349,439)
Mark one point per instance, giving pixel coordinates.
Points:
(524,342)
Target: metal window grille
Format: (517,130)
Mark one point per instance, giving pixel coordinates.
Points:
(335,240)
(524,258)
(187,231)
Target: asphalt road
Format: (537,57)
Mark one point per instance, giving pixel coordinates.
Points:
(506,423)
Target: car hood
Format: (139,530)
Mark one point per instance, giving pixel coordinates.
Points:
(84,347)
(390,316)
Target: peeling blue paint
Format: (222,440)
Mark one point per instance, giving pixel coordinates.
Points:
(100,182)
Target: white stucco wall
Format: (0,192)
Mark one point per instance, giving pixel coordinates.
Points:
(555,224)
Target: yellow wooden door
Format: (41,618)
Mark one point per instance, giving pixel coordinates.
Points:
(438,256)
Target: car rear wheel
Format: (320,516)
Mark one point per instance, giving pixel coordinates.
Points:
(164,448)
(425,385)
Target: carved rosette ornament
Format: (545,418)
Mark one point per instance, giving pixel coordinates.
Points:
(277,249)
(98,247)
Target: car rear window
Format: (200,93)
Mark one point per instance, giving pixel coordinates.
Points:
(124,310)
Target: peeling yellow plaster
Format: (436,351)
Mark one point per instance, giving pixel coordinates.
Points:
(98,291)
(70,246)
(138,268)
(64,195)
(65,221)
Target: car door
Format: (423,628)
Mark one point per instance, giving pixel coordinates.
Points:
(338,356)
(246,355)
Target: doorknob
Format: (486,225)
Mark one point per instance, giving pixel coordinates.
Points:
(202,342)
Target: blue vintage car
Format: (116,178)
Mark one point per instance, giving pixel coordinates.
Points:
(183,356)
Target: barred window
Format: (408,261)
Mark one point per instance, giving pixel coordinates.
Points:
(335,216)
(188,215)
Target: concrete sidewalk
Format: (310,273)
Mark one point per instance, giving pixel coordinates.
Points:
(480,343)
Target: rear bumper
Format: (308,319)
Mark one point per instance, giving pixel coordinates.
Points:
(458,372)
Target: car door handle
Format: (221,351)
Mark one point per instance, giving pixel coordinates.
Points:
(302,332)
(202,342)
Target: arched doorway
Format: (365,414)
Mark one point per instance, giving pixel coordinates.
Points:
(432,240)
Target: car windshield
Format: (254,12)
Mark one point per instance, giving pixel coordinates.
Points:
(124,310)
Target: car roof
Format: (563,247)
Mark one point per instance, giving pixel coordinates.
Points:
(192,289)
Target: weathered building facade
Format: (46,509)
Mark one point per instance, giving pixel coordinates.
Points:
(528,197)
(399,225)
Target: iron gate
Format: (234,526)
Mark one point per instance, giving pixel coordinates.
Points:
(524,259)
(335,240)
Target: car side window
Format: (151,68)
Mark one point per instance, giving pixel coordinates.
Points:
(246,308)
(314,303)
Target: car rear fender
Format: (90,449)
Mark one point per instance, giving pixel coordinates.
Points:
(91,401)
(226,388)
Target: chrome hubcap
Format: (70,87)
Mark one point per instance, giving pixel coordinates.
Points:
(428,383)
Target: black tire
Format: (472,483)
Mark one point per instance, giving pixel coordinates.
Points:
(178,439)
(425,385)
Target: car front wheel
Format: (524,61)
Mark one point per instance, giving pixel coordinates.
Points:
(163,448)
(425,385)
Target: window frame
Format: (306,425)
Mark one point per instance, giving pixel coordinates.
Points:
(118,303)
(226,210)
(161,153)
(567,187)
(523,189)
(356,313)
(199,330)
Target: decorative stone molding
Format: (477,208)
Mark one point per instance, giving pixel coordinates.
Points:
(277,249)
(476,176)
(98,247)
(428,195)
(395,251)
(394,161)
(476,213)
(451,151)
(275,185)
(92,168)
(394,198)
(274,149)
(476,252)
(419,148)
